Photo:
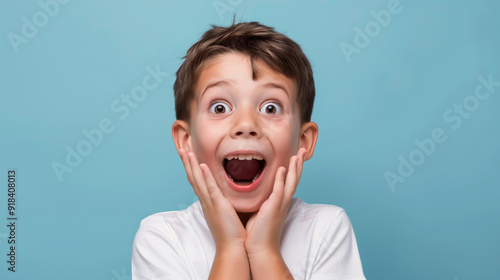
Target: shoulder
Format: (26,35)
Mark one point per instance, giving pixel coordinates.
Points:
(190,214)
(168,243)
(168,225)
(328,248)
(302,212)
(319,220)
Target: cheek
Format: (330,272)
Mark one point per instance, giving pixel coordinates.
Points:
(287,148)
(285,134)
(206,136)
(281,127)
(285,141)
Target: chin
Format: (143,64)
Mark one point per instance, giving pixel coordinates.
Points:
(246,205)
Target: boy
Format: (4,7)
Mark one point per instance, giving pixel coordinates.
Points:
(243,100)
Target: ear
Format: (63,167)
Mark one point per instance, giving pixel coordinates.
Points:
(308,137)
(182,136)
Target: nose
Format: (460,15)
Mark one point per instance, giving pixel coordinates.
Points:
(246,124)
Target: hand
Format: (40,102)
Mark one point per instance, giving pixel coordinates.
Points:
(226,228)
(264,228)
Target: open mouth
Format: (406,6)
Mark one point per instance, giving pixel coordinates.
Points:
(243,169)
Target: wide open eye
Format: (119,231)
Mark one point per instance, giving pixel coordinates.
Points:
(219,108)
(270,108)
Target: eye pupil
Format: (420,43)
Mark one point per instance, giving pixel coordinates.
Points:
(270,109)
(220,109)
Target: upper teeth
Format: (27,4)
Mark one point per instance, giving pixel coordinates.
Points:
(244,157)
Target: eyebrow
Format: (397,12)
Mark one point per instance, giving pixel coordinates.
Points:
(219,83)
(276,85)
(225,83)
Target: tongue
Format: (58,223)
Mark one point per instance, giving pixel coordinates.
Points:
(243,170)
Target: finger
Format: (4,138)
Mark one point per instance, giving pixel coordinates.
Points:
(300,163)
(212,187)
(291,180)
(190,176)
(187,166)
(189,171)
(279,183)
(199,179)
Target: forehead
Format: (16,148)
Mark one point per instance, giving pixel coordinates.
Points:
(236,68)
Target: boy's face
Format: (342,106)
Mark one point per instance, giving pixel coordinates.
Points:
(244,130)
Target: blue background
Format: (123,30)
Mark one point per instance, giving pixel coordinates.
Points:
(442,222)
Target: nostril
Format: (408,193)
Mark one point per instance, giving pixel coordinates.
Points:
(251,133)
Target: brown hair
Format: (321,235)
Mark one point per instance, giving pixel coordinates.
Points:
(258,41)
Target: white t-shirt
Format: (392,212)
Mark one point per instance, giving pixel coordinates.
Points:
(317,242)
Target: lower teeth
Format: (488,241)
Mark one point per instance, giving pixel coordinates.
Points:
(256,176)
